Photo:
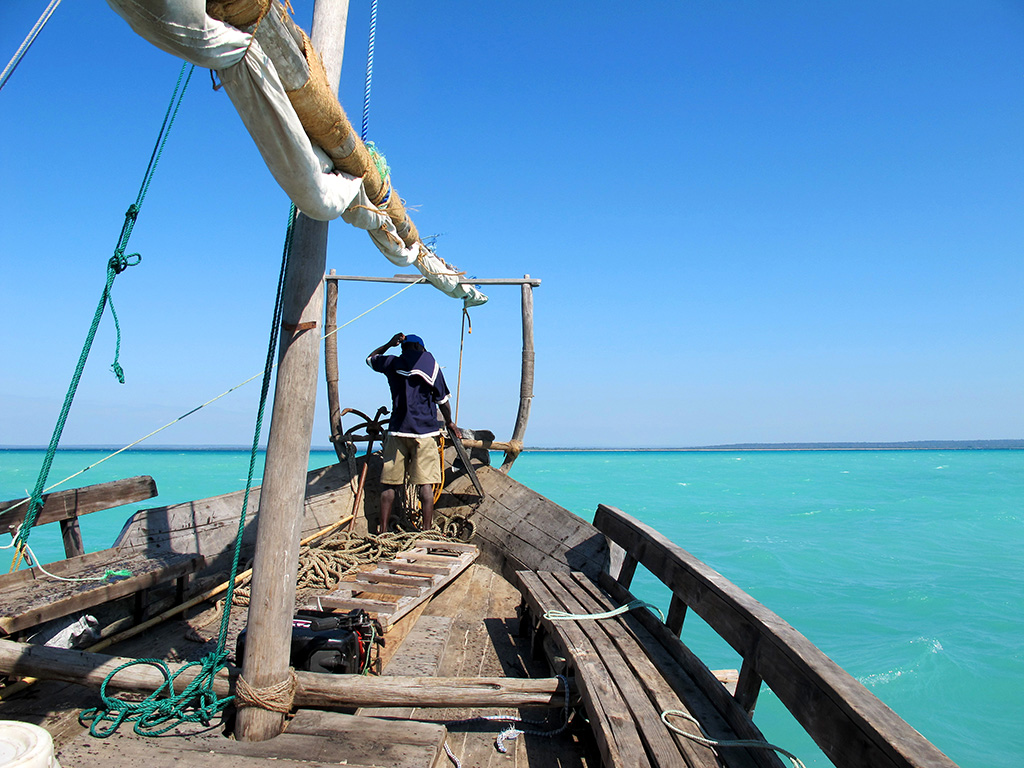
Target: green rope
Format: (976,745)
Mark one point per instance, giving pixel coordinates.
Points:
(164,709)
(563,616)
(117,264)
(379,161)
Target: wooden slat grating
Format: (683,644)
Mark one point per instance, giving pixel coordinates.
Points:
(385,592)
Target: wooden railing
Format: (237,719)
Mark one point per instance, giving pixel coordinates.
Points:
(66,507)
(851,725)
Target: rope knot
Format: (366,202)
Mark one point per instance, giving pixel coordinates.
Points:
(119,262)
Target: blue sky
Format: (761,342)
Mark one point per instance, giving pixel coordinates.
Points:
(754,222)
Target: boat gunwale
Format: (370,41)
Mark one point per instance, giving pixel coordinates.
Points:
(842,712)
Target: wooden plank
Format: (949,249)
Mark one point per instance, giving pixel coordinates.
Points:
(416,278)
(314,690)
(426,557)
(71,534)
(433,570)
(373,740)
(676,614)
(386,589)
(39,598)
(614,648)
(614,730)
(69,504)
(642,652)
(852,726)
(381,607)
(312,738)
(449,546)
(376,577)
(103,753)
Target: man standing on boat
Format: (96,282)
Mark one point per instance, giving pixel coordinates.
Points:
(418,391)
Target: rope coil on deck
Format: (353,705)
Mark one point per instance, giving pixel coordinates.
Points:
(278,697)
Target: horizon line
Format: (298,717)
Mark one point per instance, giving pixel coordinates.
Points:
(999,443)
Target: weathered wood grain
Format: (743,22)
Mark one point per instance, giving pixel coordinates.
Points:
(614,729)
(30,597)
(314,690)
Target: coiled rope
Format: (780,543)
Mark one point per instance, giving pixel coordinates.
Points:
(116,264)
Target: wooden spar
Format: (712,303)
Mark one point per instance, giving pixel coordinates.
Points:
(312,690)
(532,281)
(331,365)
(275,564)
(526,381)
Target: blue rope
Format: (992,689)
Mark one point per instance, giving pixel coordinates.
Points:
(369,70)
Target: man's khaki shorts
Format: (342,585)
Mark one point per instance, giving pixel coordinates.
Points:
(419,454)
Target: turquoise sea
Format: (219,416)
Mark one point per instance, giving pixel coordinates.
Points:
(905,567)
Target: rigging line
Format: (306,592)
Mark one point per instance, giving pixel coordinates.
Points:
(369,70)
(27,43)
(462,340)
(375,306)
(116,264)
(199,407)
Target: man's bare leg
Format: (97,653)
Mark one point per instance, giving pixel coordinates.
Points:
(387,499)
(427,505)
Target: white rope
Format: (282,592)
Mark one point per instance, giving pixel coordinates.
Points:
(564,616)
(709,742)
(27,43)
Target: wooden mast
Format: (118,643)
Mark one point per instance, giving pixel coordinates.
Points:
(267,651)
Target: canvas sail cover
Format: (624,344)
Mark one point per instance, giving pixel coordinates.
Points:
(304,170)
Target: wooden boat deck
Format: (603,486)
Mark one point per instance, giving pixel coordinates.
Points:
(469,629)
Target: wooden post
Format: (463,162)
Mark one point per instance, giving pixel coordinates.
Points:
(526,381)
(331,365)
(275,565)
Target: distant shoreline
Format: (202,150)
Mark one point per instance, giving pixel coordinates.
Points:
(916,445)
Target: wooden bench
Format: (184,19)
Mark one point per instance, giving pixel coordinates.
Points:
(30,597)
(67,506)
(627,678)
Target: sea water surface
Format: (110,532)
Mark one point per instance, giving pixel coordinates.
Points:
(905,567)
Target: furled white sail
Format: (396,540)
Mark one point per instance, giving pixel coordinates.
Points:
(303,170)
